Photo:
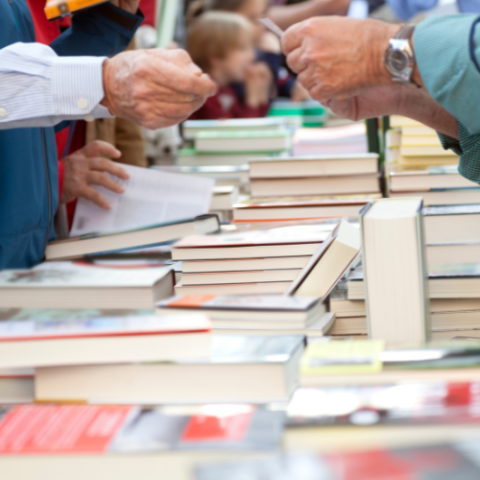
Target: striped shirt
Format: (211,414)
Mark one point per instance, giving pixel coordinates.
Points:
(40,89)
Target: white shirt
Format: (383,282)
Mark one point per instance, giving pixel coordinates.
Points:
(40,89)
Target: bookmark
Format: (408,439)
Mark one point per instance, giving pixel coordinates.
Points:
(272,26)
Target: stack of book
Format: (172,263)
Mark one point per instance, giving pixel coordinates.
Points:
(247,262)
(233,142)
(418,165)
(305,187)
(309,113)
(454,303)
(416,145)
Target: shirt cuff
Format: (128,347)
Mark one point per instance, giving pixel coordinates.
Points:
(77,85)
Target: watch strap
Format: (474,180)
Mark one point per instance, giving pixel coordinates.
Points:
(406,32)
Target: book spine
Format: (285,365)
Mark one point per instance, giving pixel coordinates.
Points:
(362,214)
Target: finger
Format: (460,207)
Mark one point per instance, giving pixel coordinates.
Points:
(292,38)
(99,178)
(106,165)
(99,147)
(296,60)
(91,194)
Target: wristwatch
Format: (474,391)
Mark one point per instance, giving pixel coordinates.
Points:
(399,57)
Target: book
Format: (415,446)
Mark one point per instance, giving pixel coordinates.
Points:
(300,208)
(252,276)
(329,263)
(427,160)
(452,224)
(338,185)
(224,197)
(129,240)
(321,327)
(222,174)
(444,196)
(319,165)
(243,141)
(189,157)
(445,325)
(262,288)
(234,371)
(17,385)
(191,127)
(248,311)
(459,281)
(433,462)
(245,264)
(64,285)
(99,340)
(343,307)
(452,254)
(426,178)
(150,197)
(296,240)
(437,403)
(395,270)
(425,150)
(123,441)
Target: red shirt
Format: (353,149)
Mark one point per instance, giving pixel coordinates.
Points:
(226,104)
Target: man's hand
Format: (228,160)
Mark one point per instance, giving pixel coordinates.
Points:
(337,57)
(130,6)
(155,88)
(86,167)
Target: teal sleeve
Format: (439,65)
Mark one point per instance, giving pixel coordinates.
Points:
(447,51)
(468,147)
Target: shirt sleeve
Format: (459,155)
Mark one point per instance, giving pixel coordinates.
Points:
(447,50)
(41,89)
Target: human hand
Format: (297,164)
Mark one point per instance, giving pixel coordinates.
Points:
(258,84)
(87,167)
(155,88)
(130,6)
(338,57)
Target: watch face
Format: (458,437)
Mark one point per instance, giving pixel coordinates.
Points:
(398,60)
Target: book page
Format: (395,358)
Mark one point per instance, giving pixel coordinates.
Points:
(151,197)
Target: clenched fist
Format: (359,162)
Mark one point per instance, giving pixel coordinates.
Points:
(155,88)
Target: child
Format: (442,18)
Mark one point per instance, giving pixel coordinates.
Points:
(222,45)
(267,45)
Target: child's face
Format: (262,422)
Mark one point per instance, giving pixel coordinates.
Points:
(234,66)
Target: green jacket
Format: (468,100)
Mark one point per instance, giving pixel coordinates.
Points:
(447,50)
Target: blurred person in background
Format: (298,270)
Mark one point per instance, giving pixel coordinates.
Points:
(407,9)
(222,45)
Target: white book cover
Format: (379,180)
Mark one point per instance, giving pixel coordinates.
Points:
(151,197)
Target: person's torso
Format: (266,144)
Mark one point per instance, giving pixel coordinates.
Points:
(28,168)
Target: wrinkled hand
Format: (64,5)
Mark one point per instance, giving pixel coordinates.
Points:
(258,84)
(155,88)
(337,57)
(87,167)
(130,6)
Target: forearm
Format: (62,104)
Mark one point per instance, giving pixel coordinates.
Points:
(416,103)
(287,15)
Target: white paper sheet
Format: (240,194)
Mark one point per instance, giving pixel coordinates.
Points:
(150,197)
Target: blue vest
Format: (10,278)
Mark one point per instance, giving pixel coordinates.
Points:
(28,168)
(28,156)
